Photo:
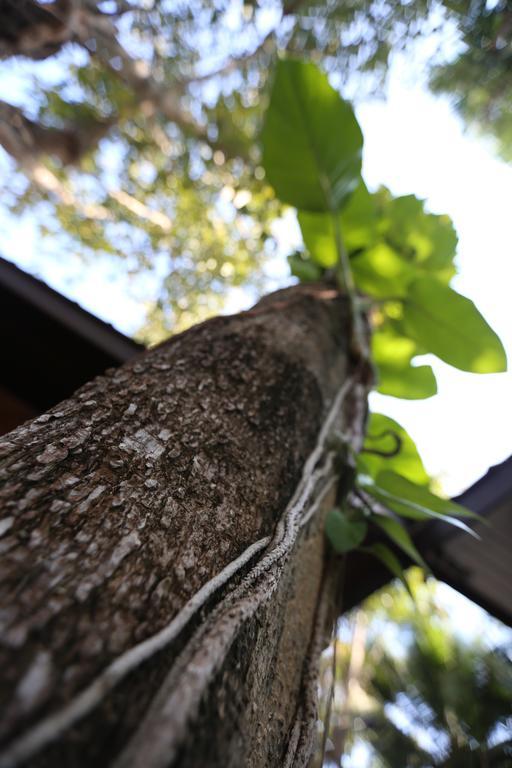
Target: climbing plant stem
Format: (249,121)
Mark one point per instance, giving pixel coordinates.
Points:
(346,281)
(344,271)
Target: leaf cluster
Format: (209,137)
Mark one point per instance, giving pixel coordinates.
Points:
(392,257)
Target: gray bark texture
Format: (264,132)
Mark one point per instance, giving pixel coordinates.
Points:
(165,586)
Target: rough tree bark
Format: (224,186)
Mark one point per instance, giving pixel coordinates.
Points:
(165,587)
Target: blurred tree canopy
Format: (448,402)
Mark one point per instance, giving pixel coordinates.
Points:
(479,78)
(136,130)
(411,692)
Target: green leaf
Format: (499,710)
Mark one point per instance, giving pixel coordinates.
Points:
(357,225)
(343,533)
(408,462)
(398,534)
(303,268)
(417,502)
(390,347)
(392,354)
(359,219)
(427,239)
(405,504)
(319,237)
(311,139)
(450,326)
(378,271)
(381,272)
(408,382)
(390,560)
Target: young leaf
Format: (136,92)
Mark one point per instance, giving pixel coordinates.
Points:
(359,219)
(392,354)
(380,436)
(390,560)
(319,237)
(357,225)
(397,533)
(381,272)
(303,268)
(311,140)
(407,382)
(390,347)
(450,326)
(426,238)
(343,533)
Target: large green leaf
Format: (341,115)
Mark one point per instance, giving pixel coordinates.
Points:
(311,139)
(450,326)
(343,532)
(379,436)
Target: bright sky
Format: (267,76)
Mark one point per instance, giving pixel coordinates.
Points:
(413,144)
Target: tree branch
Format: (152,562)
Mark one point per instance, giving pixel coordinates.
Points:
(28,142)
(38,30)
(133,205)
(232,64)
(154,97)
(20,136)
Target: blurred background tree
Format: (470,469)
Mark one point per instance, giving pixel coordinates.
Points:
(131,127)
(479,77)
(413,690)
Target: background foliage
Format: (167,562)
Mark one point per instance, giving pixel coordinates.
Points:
(411,691)
(155,108)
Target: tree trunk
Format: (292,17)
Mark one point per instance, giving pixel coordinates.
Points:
(164,587)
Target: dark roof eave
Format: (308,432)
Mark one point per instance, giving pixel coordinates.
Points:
(36,293)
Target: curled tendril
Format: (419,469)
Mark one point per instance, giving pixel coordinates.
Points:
(379,452)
